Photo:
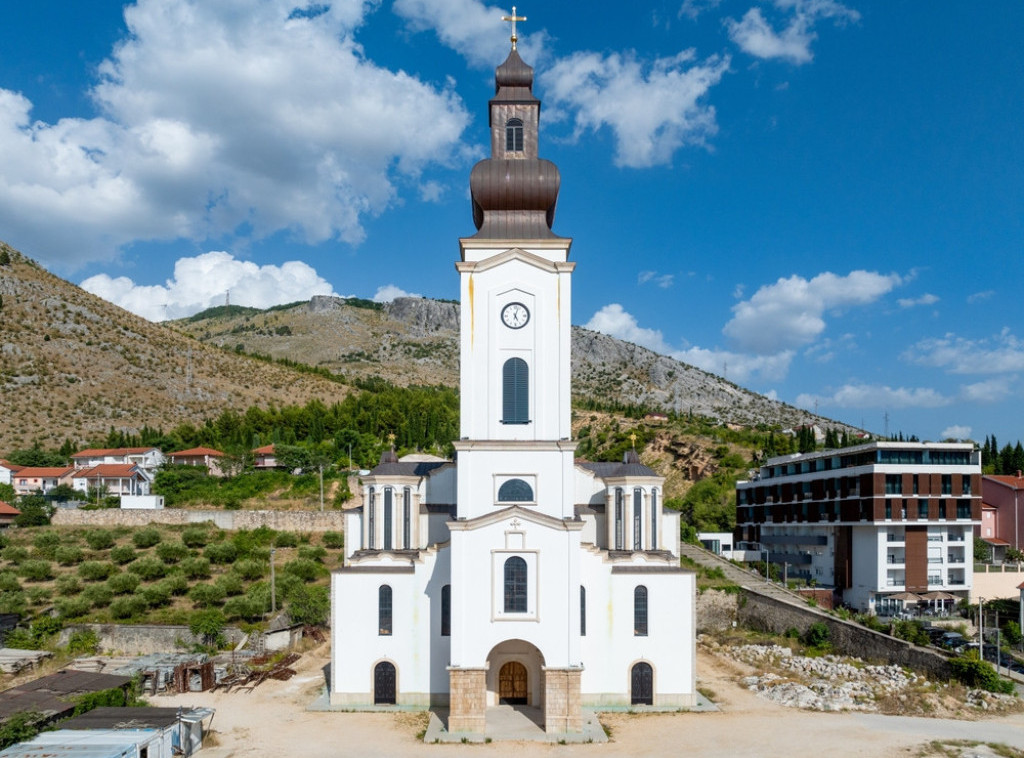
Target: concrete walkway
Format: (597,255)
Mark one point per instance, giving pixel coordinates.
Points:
(742,577)
(513,723)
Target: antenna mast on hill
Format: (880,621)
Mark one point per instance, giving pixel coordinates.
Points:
(227,297)
(188,373)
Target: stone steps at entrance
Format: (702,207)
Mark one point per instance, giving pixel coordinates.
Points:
(513,722)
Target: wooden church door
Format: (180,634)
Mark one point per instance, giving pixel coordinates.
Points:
(512,681)
(384,684)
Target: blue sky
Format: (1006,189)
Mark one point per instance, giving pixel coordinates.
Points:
(821,201)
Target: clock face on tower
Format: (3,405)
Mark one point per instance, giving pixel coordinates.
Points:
(515,315)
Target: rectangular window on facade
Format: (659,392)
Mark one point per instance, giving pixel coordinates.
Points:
(638,512)
(947,484)
(388,507)
(922,509)
(446,610)
(640,611)
(963,509)
(583,611)
(893,484)
(966,485)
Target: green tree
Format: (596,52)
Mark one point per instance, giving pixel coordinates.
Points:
(35,509)
(208,626)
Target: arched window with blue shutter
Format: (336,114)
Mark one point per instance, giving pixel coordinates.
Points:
(515,585)
(515,392)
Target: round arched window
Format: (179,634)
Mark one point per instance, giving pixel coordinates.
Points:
(515,491)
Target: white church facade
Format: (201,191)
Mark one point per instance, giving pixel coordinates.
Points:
(514,574)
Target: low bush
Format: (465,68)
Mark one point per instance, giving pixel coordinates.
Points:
(312,553)
(123,584)
(222,552)
(148,568)
(146,538)
(286,539)
(98,595)
(46,544)
(99,539)
(9,582)
(71,608)
(209,626)
(333,540)
(231,584)
(176,584)
(68,584)
(304,569)
(244,608)
(38,595)
(970,670)
(96,571)
(123,554)
(195,536)
(127,607)
(14,554)
(155,595)
(196,568)
(171,552)
(36,570)
(817,635)
(83,642)
(68,555)
(13,602)
(206,595)
(250,569)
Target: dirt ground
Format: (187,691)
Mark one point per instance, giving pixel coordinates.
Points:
(272,721)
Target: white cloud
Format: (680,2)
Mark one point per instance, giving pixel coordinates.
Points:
(693,8)
(661,280)
(1001,354)
(202,282)
(876,396)
(472,29)
(993,390)
(617,322)
(925,299)
(956,432)
(653,108)
(790,312)
(217,119)
(388,292)
(756,36)
(978,297)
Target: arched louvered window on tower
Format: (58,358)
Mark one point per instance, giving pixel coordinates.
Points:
(515,392)
(654,519)
(446,610)
(620,527)
(371,537)
(514,135)
(389,497)
(407,518)
(384,619)
(515,491)
(640,611)
(515,585)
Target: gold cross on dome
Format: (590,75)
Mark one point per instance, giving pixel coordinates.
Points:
(513,18)
(632,438)
(391,438)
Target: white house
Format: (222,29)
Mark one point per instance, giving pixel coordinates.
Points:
(516,574)
(148,459)
(113,479)
(7,471)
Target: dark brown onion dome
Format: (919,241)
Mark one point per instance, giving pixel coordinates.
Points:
(513,73)
(514,199)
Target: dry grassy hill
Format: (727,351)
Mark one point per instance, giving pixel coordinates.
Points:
(73,365)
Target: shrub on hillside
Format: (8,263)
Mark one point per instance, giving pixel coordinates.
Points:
(303,568)
(309,605)
(99,539)
(83,642)
(196,568)
(68,555)
(195,536)
(171,552)
(222,552)
(145,538)
(15,554)
(148,568)
(9,582)
(98,595)
(13,602)
(45,544)
(68,584)
(123,554)
(72,607)
(176,584)
(286,539)
(333,540)
(250,569)
(127,607)
(231,584)
(36,570)
(206,595)
(96,571)
(970,670)
(155,595)
(123,584)
(313,553)
(38,595)
(209,626)
(243,608)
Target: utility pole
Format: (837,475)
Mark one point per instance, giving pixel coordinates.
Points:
(321,488)
(981,626)
(273,586)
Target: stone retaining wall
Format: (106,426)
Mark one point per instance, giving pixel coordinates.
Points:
(286,521)
(770,614)
(143,639)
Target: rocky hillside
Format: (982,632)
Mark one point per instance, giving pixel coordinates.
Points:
(72,366)
(415,341)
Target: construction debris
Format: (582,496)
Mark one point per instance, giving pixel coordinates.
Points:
(250,675)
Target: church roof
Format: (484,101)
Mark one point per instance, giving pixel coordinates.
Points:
(405,468)
(630,466)
(513,81)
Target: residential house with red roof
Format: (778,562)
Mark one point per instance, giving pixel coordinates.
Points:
(7,471)
(41,478)
(199,456)
(8,513)
(1006,495)
(148,459)
(113,478)
(264,457)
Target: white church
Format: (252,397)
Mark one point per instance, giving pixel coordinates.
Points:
(514,574)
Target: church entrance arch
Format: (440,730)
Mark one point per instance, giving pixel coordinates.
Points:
(512,683)
(515,674)
(384,680)
(642,684)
